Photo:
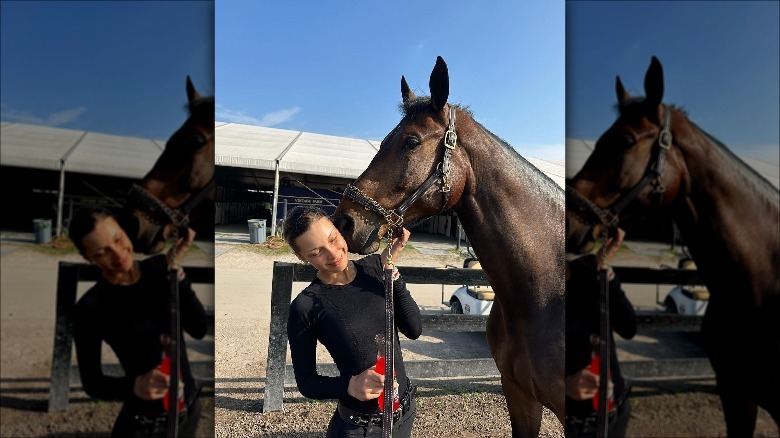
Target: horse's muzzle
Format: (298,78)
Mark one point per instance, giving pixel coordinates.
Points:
(580,236)
(147,237)
(360,239)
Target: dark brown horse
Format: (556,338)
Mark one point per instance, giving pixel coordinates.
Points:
(179,190)
(513,215)
(729,217)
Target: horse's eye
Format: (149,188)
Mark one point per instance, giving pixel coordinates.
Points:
(626,141)
(199,138)
(411,143)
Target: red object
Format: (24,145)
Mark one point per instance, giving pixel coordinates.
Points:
(380,369)
(595,364)
(165,368)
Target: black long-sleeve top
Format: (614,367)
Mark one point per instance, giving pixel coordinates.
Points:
(131,320)
(345,319)
(583,295)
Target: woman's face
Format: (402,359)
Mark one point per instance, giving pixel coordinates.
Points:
(323,247)
(108,246)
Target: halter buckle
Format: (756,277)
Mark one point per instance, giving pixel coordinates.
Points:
(450,139)
(659,185)
(665,139)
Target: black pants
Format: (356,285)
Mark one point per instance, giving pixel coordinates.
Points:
(129,424)
(576,428)
(338,427)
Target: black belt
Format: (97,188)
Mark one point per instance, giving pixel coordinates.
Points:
(162,418)
(361,419)
(590,419)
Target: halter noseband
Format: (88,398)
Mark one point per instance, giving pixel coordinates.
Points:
(158,212)
(653,174)
(395,218)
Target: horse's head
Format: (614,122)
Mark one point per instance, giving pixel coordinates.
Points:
(416,174)
(183,177)
(634,168)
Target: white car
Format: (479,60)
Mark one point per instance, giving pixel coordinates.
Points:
(471,300)
(687,300)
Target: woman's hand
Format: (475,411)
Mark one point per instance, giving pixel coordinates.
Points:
(180,248)
(582,385)
(395,248)
(151,385)
(367,385)
(612,245)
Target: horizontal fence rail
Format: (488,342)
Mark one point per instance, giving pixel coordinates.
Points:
(284,274)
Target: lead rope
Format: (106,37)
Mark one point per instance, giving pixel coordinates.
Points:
(173,346)
(604,329)
(387,411)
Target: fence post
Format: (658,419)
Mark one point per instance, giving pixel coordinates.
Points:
(67,285)
(281,293)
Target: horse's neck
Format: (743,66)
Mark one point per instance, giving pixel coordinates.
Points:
(514,218)
(727,214)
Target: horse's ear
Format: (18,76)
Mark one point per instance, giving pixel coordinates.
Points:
(406,92)
(621,92)
(439,84)
(192,93)
(654,83)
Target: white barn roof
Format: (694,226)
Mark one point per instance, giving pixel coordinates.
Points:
(44,147)
(259,147)
(578,151)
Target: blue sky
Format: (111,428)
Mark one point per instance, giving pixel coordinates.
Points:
(335,67)
(721,63)
(113,67)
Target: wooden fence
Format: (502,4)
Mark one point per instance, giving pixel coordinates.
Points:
(284,274)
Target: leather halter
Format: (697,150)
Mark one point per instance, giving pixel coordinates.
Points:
(653,174)
(158,212)
(395,218)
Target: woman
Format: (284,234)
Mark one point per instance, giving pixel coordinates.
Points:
(344,309)
(583,288)
(128,308)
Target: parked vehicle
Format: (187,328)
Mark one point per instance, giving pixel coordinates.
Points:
(687,300)
(470,299)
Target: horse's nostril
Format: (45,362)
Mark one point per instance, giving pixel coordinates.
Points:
(345,224)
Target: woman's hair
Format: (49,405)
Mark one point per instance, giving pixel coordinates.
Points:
(298,221)
(83,222)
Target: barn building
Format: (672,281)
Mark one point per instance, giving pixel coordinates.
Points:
(49,172)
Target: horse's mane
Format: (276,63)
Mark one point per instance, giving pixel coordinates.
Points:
(636,103)
(412,106)
(513,154)
(763,186)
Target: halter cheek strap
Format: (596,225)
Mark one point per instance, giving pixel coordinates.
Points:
(395,218)
(653,174)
